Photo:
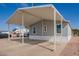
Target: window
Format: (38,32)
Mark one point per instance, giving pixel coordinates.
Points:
(58,28)
(45,28)
(34,30)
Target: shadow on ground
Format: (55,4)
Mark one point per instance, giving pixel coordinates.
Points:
(34,42)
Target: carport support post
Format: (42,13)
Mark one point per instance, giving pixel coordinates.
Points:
(9,32)
(54,29)
(61,28)
(22,28)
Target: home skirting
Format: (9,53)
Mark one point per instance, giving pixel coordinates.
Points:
(50,38)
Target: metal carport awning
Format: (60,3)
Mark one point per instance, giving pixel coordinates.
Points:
(33,15)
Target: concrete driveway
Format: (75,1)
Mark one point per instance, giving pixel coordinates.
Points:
(29,48)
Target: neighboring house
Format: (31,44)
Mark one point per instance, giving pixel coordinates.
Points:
(20,31)
(44,23)
(75,32)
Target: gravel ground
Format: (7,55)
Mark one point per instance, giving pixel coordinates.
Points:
(72,48)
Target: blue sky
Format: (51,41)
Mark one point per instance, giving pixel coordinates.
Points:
(69,11)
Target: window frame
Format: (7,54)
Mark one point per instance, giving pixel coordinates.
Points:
(57,28)
(34,29)
(45,28)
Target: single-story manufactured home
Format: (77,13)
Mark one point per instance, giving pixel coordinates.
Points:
(44,23)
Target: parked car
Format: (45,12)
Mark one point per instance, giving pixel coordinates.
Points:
(26,34)
(4,35)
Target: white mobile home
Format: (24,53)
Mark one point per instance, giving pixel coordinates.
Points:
(44,23)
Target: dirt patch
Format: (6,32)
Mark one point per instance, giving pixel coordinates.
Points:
(72,48)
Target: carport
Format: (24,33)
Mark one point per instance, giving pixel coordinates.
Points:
(30,15)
